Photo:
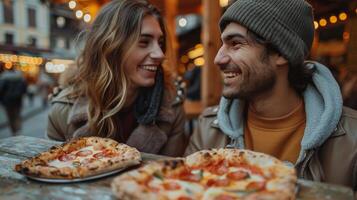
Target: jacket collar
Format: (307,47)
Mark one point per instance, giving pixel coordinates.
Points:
(79,111)
(339,130)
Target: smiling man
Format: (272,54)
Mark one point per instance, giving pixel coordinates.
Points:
(275,102)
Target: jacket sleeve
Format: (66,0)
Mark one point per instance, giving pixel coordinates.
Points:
(177,139)
(57,127)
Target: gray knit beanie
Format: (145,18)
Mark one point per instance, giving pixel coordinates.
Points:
(287,24)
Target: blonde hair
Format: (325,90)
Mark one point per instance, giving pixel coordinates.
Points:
(109,42)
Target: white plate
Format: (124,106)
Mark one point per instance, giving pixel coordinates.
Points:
(58,180)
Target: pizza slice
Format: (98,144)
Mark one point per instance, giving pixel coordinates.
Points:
(80,158)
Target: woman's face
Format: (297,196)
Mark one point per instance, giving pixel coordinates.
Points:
(147,55)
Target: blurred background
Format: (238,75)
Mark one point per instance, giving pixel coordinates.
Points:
(39,39)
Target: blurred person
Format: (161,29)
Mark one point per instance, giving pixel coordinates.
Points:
(12,89)
(121,90)
(273,101)
(45,86)
(66,79)
(31,92)
(193,77)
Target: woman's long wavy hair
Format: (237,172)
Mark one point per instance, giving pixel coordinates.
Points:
(108,43)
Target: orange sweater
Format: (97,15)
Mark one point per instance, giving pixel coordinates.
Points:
(280,137)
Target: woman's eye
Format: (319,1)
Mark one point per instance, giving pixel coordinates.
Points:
(143,43)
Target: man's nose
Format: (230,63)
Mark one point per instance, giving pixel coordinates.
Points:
(221,58)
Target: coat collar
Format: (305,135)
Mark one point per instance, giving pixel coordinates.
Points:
(79,111)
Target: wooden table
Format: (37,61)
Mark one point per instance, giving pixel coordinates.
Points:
(16,186)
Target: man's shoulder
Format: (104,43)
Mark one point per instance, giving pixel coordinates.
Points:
(210,112)
(348,123)
(208,117)
(349,113)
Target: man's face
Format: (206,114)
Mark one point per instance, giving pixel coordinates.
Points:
(247,72)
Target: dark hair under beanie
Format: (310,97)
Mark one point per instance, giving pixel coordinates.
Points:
(287,24)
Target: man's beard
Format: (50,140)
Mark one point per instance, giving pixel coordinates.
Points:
(254,85)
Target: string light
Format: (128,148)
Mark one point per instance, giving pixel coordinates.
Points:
(223,3)
(87,18)
(182,22)
(342,16)
(72,4)
(199,61)
(316,25)
(79,14)
(323,22)
(333,19)
(346,36)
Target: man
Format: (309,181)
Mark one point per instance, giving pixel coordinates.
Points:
(274,102)
(12,88)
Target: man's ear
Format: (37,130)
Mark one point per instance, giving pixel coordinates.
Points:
(281,60)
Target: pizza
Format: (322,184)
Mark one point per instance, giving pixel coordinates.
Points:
(218,174)
(79,158)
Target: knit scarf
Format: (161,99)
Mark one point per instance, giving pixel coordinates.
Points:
(147,104)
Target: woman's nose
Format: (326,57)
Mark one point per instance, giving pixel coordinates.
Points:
(157,53)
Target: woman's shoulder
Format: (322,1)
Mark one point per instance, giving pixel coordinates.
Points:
(62,95)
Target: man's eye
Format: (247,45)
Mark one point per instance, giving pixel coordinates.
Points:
(235,43)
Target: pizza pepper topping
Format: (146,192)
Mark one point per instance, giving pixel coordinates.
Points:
(184,198)
(224,197)
(256,186)
(217,182)
(84,153)
(171,186)
(238,175)
(67,157)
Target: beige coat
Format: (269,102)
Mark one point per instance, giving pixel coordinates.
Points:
(335,161)
(68,119)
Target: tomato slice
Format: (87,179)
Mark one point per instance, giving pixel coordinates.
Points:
(219,169)
(171,186)
(84,153)
(190,177)
(224,197)
(238,175)
(67,157)
(99,155)
(184,198)
(256,186)
(217,182)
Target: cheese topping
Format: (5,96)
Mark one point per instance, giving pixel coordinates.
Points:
(78,159)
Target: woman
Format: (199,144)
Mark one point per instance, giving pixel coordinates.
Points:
(122,91)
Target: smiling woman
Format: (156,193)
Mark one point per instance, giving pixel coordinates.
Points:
(122,91)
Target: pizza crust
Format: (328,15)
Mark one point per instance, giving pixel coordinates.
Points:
(39,165)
